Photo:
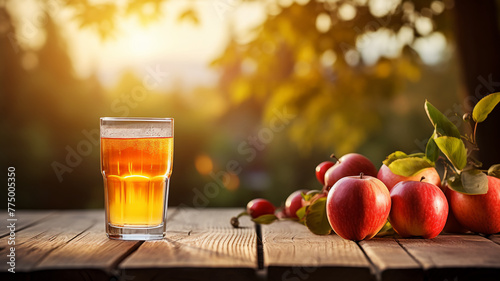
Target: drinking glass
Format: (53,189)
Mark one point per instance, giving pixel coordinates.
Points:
(136,164)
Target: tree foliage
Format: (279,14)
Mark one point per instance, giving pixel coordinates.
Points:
(313,60)
(320,73)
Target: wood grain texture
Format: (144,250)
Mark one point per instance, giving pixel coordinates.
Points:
(91,250)
(291,252)
(36,242)
(200,245)
(391,261)
(24,219)
(90,255)
(456,257)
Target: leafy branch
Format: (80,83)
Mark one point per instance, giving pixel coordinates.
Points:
(462,171)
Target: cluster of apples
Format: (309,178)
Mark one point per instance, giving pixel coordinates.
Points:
(357,200)
(360,200)
(417,205)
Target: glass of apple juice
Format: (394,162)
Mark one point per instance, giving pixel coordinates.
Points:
(136,164)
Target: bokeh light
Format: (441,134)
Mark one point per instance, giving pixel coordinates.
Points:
(203,164)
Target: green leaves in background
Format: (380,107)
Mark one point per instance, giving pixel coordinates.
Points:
(316,219)
(484,107)
(469,182)
(454,149)
(442,125)
(407,165)
(494,171)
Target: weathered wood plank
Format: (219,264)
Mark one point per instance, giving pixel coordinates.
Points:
(23,219)
(200,245)
(90,256)
(391,261)
(495,238)
(291,252)
(456,257)
(34,243)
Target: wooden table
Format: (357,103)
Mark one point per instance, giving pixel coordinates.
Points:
(202,245)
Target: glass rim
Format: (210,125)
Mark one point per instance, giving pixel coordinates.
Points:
(137,119)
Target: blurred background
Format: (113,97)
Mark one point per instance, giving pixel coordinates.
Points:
(261,91)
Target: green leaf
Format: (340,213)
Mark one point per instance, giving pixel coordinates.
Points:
(442,124)
(301,213)
(265,219)
(418,154)
(409,166)
(432,150)
(394,156)
(316,219)
(485,106)
(454,149)
(386,230)
(494,171)
(309,195)
(469,182)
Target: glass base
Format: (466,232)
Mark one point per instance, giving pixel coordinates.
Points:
(135,233)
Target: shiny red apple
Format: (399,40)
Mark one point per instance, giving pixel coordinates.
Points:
(357,207)
(321,170)
(478,213)
(351,164)
(293,203)
(390,179)
(418,209)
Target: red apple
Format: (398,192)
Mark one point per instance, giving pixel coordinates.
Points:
(390,179)
(357,207)
(293,203)
(452,225)
(258,207)
(478,213)
(418,209)
(351,164)
(321,170)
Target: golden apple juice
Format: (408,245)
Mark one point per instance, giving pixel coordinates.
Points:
(135,172)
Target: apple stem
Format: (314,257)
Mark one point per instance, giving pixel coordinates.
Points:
(445,175)
(474,133)
(422,178)
(361,175)
(334,157)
